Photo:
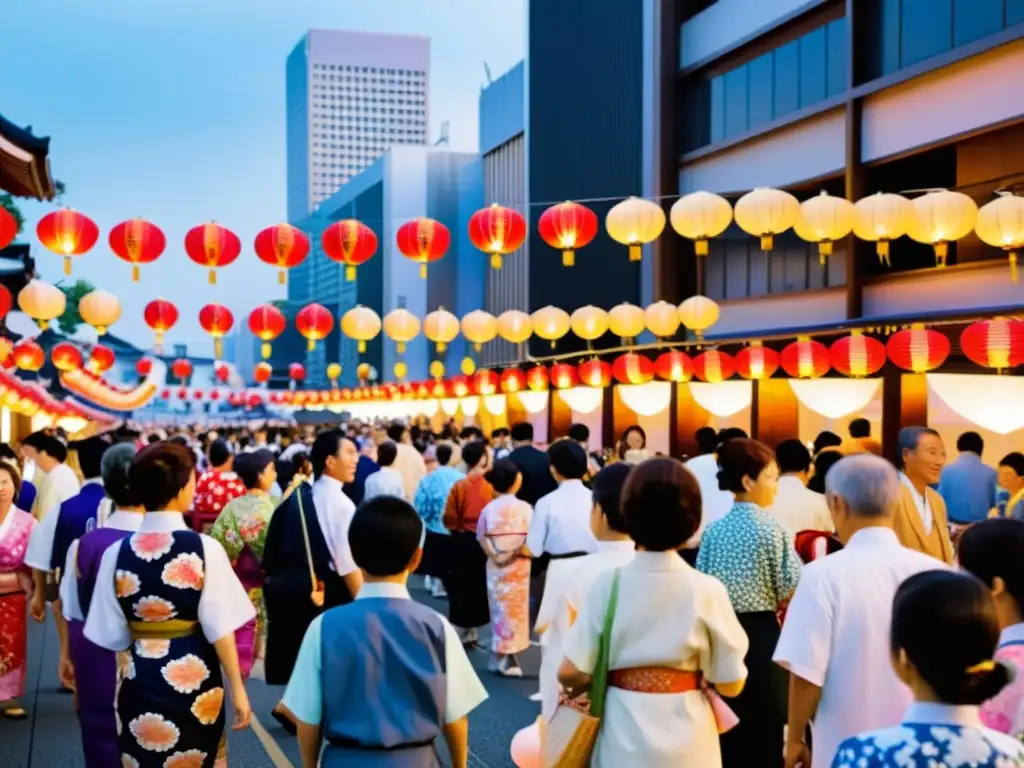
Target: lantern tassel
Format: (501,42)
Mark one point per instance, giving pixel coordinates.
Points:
(767,241)
(495,261)
(400,347)
(218,348)
(882,249)
(441,346)
(700,247)
(636,252)
(213,277)
(362,347)
(568,258)
(67,265)
(423,270)
(941,251)
(101,330)
(265,350)
(310,344)
(281,280)
(1013,266)
(350,273)
(135,273)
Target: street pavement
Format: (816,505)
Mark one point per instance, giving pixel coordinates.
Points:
(49,737)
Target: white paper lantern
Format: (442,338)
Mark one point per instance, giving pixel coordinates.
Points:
(765,212)
(881,219)
(700,216)
(824,220)
(941,218)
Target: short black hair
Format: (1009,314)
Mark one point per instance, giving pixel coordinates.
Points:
(115,466)
(387,452)
(661,504)
(568,459)
(995,548)
(220,452)
(46,442)
(823,462)
(249,466)
(741,458)
(860,428)
(1014,461)
(396,430)
(825,440)
(9,455)
(444,454)
(90,454)
(499,433)
(579,432)
(159,472)
(707,439)
(384,535)
(502,476)
(607,493)
(178,439)
(730,433)
(522,432)
(792,456)
(471,433)
(325,445)
(970,442)
(474,452)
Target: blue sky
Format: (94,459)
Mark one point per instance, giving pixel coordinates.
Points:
(173,110)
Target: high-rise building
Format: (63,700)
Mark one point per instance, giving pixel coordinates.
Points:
(350,96)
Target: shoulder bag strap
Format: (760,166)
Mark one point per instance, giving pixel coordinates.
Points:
(305,539)
(599,682)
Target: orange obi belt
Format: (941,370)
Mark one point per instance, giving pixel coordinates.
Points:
(655,680)
(162,630)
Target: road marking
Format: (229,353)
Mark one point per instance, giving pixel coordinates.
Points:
(277,757)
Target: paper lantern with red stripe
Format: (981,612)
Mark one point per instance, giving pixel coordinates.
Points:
(349,242)
(315,323)
(714,366)
(595,373)
(568,227)
(101,359)
(674,366)
(512,380)
(857,355)
(216,320)
(633,369)
(137,242)
(485,382)
(563,376)
(997,343)
(497,230)
(28,355)
(67,233)
(805,359)
(66,356)
(282,246)
(267,322)
(538,379)
(423,240)
(212,246)
(160,315)
(756,362)
(918,349)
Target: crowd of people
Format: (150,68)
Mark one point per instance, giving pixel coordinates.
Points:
(802,605)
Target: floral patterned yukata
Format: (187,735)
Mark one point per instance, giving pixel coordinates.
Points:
(501,531)
(15,587)
(1005,712)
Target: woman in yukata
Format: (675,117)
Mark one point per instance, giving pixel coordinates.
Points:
(949,679)
(993,550)
(15,591)
(673,635)
(169,596)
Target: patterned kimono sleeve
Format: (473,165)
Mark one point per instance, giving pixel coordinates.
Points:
(225,531)
(786,565)
(721,660)
(252,527)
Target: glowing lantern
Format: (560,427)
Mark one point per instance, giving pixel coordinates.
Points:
(221,372)
(918,349)
(563,376)
(497,230)
(282,246)
(537,378)
(857,355)
(67,233)
(662,319)
(512,380)
(996,343)
(627,321)
(266,323)
(101,359)
(698,313)
(436,369)
(635,222)
(212,246)
(633,369)
(42,302)
(881,219)
(349,242)
(568,227)
(589,323)
(485,382)
(401,326)
(550,323)
(333,373)
(713,366)
(315,323)
(216,320)
(458,386)
(805,359)
(701,216)
(1000,224)
(254,401)
(6,302)
(143,367)
(66,356)
(262,372)
(765,213)
(137,242)
(756,362)
(824,220)
(362,324)
(674,366)
(8,228)
(297,372)
(423,241)
(467,366)
(100,309)
(479,328)
(441,327)
(182,369)
(160,315)
(400,370)
(514,326)
(941,218)
(595,373)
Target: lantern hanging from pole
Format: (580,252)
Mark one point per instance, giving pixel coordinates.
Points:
(216,320)
(28,355)
(824,219)
(589,323)
(315,323)
(65,356)
(182,369)
(515,326)
(362,324)
(401,326)
(349,242)
(262,372)
(635,222)
(563,376)
(568,227)
(423,241)
(633,369)
(333,373)
(212,246)
(512,380)
(674,366)
(8,228)
(805,359)
(714,366)
(627,321)
(67,233)
(765,212)
(160,315)
(550,323)
(478,328)
(282,246)
(757,362)
(100,309)
(101,359)
(918,349)
(997,343)
(940,218)
(137,242)
(700,216)
(857,355)
(880,219)
(662,319)
(1000,224)
(266,323)
(595,373)
(497,230)
(698,313)
(441,327)
(297,372)
(42,302)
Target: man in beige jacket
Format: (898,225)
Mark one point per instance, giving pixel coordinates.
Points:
(920,522)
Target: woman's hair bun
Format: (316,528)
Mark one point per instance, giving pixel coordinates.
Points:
(977,687)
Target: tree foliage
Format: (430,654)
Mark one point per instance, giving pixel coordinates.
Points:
(71,320)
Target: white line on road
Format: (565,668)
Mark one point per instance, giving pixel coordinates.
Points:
(277,757)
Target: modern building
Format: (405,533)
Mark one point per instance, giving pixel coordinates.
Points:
(350,96)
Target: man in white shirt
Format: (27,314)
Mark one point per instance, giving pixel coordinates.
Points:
(334,458)
(59,482)
(409,462)
(386,481)
(714,501)
(797,507)
(835,640)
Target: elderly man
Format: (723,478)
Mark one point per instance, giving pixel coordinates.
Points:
(921,521)
(835,640)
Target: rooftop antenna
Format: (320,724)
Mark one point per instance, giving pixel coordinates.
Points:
(487,71)
(444,138)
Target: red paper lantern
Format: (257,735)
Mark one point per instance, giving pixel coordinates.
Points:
(537,379)
(183,394)
(997,343)
(857,355)
(714,366)
(262,372)
(212,246)
(458,386)
(497,230)
(297,372)
(485,382)
(6,302)
(160,315)
(633,369)
(315,323)
(756,362)
(349,242)
(267,322)
(423,241)
(66,356)
(197,395)
(165,394)
(67,233)
(137,242)
(216,320)
(28,356)
(595,373)
(8,228)
(282,246)
(568,227)
(512,380)
(215,395)
(254,401)
(918,349)
(101,359)
(806,359)
(674,366)
(181,368)
(222,373)
(563,376)
(234,399)
(143,367)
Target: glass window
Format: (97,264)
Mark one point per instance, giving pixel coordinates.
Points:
(926,28)
(975,19)
(837,58)
(787,78)
(812,67)
(717,109)
(1014,12)
(736,102)
(761,81)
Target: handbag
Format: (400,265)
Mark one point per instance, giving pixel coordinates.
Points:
(317,594)
(568,739)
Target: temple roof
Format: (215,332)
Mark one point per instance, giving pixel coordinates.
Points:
(24,162)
